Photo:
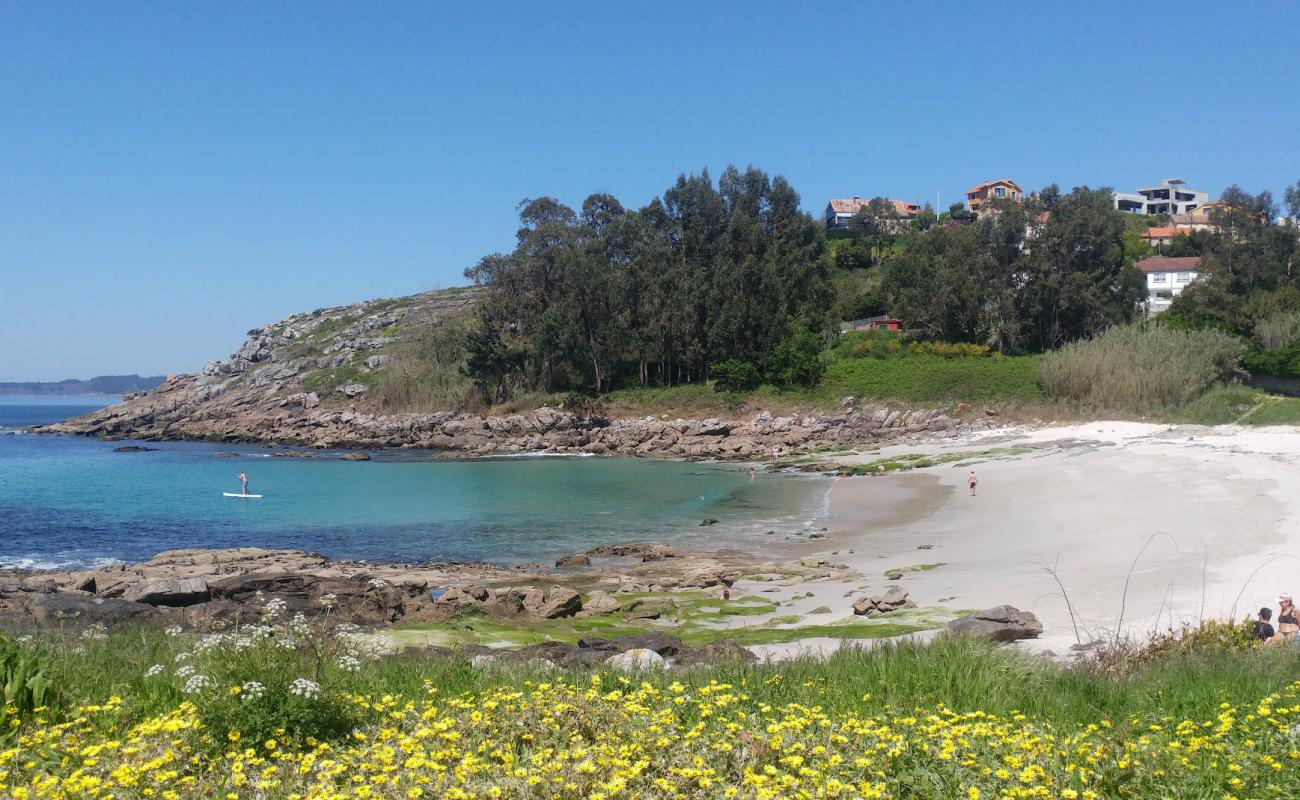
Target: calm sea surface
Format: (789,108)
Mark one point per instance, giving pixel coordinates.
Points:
(70,501)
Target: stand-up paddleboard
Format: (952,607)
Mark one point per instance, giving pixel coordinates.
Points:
(237,494)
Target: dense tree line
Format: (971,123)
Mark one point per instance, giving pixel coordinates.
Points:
(1250,267)
(1022,276)
(704,278)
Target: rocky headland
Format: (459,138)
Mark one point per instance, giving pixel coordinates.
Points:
(309,380)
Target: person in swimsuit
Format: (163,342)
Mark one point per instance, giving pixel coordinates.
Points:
(243,483)
(1263,629)
(1287,624)
(971,482)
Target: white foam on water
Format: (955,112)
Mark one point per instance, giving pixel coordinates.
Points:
(55,563)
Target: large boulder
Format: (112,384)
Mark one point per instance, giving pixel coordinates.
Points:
(1001,624)
(710,576)
(637,660)
(600,602)
(175,592)
(561,601)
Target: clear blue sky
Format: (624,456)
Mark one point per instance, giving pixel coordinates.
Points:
(172,173)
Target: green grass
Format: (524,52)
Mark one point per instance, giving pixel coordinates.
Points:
(906,461)
(961,674)
(332,326)
(1236,404)
(334,377)
(924,378)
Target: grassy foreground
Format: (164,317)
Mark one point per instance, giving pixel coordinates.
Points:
(288,710)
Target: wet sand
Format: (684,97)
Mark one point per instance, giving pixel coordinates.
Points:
(1216,510)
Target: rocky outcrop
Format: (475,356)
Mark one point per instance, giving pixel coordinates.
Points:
(1001,624)
(893,599)
(309,380)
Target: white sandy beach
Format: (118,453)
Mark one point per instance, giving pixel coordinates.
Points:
(1218,510)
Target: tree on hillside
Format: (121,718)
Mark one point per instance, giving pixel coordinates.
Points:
(702,275)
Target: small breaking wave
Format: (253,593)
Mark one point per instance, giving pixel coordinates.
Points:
(57,562)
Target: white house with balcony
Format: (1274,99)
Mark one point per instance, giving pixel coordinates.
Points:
(1166,279)
(1170,197)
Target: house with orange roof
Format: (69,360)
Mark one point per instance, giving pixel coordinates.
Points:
(992,190)
(1161,235)
(840,212)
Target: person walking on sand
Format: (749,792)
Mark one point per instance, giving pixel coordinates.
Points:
(972,481)
(243,483)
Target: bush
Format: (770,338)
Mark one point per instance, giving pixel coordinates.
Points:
(734,375)
(1141,368)
(1278,331)
(796,361)
(1284,361)
(951,349)
(869,344)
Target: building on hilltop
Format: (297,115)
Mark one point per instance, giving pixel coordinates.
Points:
(993,190)
(839,213)
(1171,196)
(1166,279)
(1162,235)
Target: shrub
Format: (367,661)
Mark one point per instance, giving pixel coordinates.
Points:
(796,361)
(929,378)
(734,375)
(869,344)
(279,678)
(951,349)
(1283,361)
(1278,330)
(1141,368)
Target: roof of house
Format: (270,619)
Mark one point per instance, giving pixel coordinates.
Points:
(987,184)
(1168,264)
(1162,232)
(852,206)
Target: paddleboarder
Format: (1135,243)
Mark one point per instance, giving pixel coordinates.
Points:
(243,483)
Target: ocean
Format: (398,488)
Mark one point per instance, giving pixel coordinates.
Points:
(72,502)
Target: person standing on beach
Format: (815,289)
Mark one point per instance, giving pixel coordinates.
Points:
(971,482)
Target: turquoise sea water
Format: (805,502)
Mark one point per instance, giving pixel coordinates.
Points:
(70,501)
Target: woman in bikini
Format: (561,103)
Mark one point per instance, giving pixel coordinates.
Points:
(1287,625)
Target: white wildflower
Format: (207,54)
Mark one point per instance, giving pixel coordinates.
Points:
(185,671)
(183,656)
(94,632)
(252,690)
(304,688)
(25,639)
(348,662)
(377,583)
(174,630)
(328,601)
(154,671)
(274,608)
(196,684)
(299,625)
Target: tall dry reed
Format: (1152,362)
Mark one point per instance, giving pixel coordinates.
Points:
(1142,368)
(1278,331)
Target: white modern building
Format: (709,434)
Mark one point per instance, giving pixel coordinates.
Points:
(1166,279)
(1171,197)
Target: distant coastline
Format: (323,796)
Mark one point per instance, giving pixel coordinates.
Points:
(101,385)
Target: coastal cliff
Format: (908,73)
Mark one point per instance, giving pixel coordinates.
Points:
(310,380)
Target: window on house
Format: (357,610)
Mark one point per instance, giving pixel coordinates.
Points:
(1159,277)
(999,192)
(1184,277)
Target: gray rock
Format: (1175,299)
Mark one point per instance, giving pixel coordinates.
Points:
(1001,624)
(354,389)
(599,602)
(175,592)
(576,560)
(637,660)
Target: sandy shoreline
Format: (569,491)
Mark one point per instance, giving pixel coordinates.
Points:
(1215,508)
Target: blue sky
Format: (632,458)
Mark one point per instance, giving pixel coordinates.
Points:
(173,174)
